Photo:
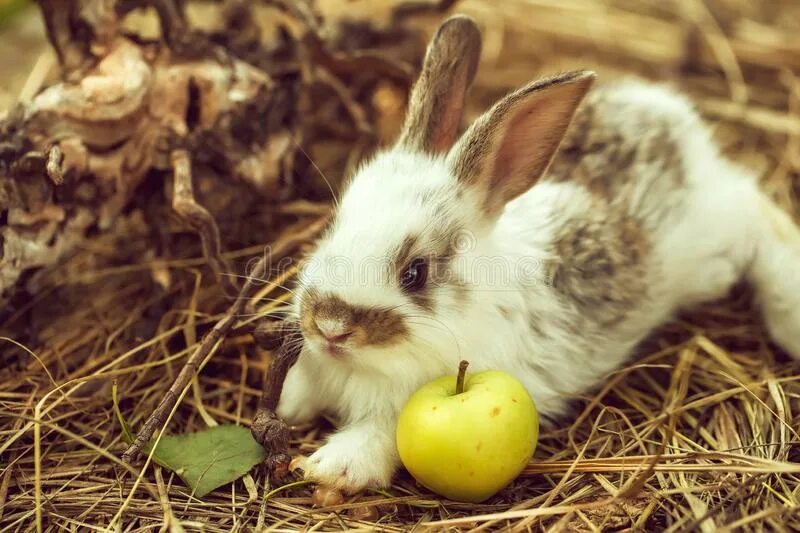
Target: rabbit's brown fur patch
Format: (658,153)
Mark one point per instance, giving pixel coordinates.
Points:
(602,266)
(602,156)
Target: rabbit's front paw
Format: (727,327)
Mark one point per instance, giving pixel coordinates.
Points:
(353,459)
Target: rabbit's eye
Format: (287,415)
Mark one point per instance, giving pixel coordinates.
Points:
(415,275)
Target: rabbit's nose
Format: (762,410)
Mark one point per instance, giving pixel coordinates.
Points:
(334,331)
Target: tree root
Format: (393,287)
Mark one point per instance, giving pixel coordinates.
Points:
(200,220)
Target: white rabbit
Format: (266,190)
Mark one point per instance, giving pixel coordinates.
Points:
(547,241)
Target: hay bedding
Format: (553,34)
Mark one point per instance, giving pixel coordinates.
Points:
(700,433)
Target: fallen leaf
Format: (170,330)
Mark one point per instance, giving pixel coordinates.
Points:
(206,459)
(210,458)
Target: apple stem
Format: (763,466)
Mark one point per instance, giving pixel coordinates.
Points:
(462,372)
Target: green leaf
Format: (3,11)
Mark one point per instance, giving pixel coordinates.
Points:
(210,458)
(204,460)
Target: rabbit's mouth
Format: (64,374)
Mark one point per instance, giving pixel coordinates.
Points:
(335,350)
(323,346)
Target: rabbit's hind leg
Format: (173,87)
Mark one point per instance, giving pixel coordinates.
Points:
(775,274)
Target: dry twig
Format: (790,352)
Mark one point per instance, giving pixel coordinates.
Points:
(267,428)
(158,417)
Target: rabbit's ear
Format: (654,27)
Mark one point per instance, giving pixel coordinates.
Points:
(437,99)
(509,147)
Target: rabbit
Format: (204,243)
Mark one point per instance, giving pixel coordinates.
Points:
(547,241)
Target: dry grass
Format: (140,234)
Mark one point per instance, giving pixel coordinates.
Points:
(698,434)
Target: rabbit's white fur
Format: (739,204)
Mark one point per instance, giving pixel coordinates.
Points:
(706,234)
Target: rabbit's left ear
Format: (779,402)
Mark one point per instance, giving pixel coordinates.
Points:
(507,149)
(437,99)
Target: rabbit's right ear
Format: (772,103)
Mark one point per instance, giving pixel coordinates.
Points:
(437,99)
(506,151)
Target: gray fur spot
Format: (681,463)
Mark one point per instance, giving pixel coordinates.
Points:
(602,270)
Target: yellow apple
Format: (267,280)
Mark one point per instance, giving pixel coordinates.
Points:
(468,437)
